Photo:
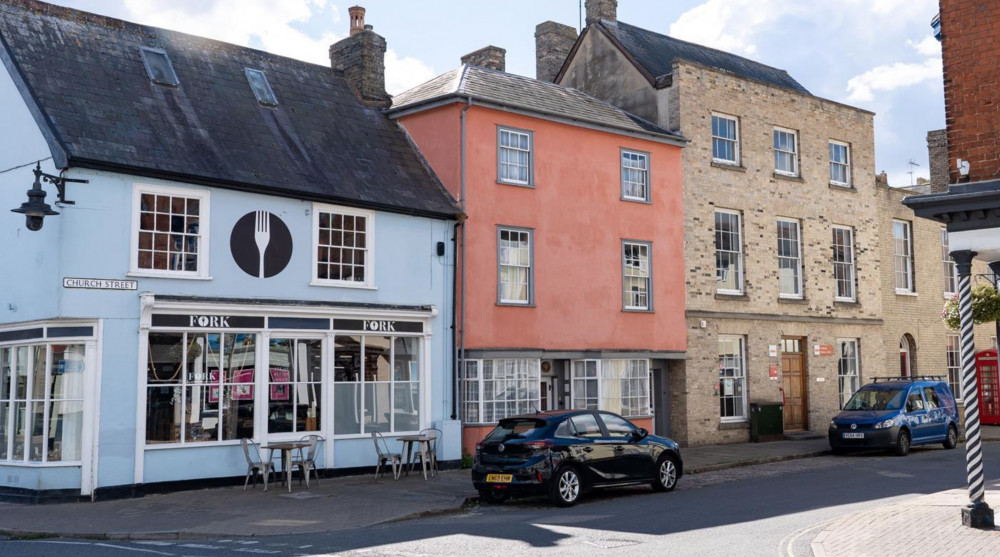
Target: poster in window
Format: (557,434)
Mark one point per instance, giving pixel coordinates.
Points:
(280,389)
(241,391)
(727,387)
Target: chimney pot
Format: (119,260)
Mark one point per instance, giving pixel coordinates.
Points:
(357,16)
(602,9)
(492,57)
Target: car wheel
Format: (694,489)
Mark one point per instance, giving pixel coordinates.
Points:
(951,441)
(493,496)
(666,473)
(565,488)
(903,443)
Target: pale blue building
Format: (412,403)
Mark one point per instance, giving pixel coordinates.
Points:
(256,253)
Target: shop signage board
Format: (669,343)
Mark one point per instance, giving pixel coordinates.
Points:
(822,350)
(209,321)
(378,326)
(100,284)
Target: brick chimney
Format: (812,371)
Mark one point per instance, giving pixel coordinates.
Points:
(937,152)
(357,15)
(602,9)
(361,56)
(492,57)
(553,41)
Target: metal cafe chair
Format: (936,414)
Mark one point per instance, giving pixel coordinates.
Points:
(255,463)
(384,456)
(433,434)
(306,460)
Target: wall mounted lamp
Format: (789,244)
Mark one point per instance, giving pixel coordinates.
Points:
(35,209)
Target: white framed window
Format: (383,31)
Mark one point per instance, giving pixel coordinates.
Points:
(169,232)
(789,259)
(41,402)
(948,266)
(497,388)
(728,252)
(848,368)
(343,246)
(619,386)
(635,175)
(843,262)
(637,277)
(725,139)
(840,163)
(376,384)
(902,256)
(954,356)
(732,379)
(786,156)
(515,275)
(515,159)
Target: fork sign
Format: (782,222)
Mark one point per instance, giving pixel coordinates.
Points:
(262,235)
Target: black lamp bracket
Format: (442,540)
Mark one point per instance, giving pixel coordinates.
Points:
(59,182)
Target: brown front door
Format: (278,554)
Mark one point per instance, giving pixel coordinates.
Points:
(793,383)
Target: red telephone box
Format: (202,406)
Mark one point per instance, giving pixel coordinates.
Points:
(989,387)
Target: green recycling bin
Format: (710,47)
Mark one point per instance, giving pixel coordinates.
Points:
(767,421)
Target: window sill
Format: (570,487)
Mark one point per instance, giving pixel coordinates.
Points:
(147,274)
(905,293)
(514,305)
(789,177)
(637,310)
(846,303)
(734,425)
(23,464)
(516,184)
(732,296)
(342,285)
(782,300)
(728,166)
(636,200)
(843,187)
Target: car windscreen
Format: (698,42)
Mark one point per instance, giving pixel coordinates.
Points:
(877,399)
(516,427)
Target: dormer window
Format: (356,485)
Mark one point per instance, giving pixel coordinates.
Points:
(158,67)
(261,88)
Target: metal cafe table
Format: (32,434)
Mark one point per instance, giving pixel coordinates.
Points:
(286,449)
(425,448)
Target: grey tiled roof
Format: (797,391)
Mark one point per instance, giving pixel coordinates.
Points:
(528,94)
(99,109)
(656,53)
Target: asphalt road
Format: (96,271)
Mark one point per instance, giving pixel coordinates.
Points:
(771,509)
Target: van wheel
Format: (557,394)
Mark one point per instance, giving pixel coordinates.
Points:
(666,474)
(951,441)
(903,443)
(564,491)
(493,496)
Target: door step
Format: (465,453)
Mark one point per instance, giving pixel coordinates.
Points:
(802,435)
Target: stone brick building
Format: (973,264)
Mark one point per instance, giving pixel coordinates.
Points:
(781,218)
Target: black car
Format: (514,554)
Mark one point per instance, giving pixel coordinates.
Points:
(565,453)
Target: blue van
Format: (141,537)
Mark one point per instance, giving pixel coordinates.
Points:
(895,413)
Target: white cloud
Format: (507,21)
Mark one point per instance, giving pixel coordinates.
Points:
(272,26)
(929,46)
(892,77)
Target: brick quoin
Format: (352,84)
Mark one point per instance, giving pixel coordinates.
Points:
(971,59)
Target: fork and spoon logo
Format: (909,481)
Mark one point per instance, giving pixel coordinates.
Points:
(261,244)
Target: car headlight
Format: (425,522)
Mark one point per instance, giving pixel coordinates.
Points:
(886,424)
(833,424)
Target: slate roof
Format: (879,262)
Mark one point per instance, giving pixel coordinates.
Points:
(656,54)
(84,79)
(525,93)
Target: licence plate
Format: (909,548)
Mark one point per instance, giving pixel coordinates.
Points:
(500,478)
(854,436)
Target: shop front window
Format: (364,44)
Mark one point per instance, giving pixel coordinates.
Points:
(376,384)
(295,385)
(619,386)
(200,387)
(41,402)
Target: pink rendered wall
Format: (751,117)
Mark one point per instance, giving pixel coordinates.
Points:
(579,223)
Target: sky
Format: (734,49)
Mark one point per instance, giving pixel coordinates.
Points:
(873,54)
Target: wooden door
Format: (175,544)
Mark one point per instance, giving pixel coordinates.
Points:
(793,383)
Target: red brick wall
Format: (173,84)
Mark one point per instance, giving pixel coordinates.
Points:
(971,53)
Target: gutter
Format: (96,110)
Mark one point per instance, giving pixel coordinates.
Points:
(460,331)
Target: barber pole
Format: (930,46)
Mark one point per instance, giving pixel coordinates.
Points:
(977,513)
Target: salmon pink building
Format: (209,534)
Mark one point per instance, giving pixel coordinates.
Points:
(570,272)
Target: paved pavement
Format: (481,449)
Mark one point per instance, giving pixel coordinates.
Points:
(927,525)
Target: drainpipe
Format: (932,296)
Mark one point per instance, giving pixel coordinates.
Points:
(460,331)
